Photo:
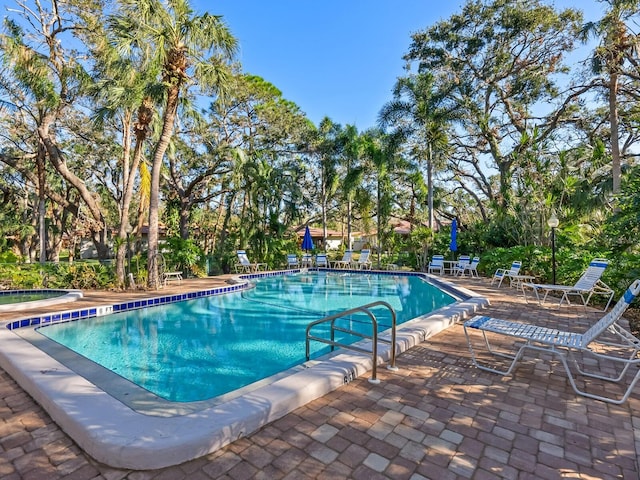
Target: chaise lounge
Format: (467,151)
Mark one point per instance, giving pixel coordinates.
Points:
(605,345)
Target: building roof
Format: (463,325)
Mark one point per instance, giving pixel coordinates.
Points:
(317,232)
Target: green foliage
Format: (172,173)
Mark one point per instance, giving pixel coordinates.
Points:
(622,230)
(19,276)
(570,264)
(624,269)
(497,63)
(80,275)
(184,255)
(503,230)
(418,245)
(8,257)
(534,260)
(89,275)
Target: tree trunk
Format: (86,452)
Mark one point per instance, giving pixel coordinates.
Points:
(615,144)
(379,220)
(349,242)
(214,234)
(42,230)
(154,197)
(221,245)
(61,167)
(185,208)
(323,188)
(127,175)
(145,115)
(430,185)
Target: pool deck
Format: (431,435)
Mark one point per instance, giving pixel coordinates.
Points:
(437,417)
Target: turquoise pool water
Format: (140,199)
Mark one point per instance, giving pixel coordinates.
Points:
(199,349)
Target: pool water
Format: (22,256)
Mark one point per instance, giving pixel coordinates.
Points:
(199,349)
(22,297)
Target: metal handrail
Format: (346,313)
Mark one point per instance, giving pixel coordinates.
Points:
(374,323)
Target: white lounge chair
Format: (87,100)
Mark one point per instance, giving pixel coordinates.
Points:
(510,273)
(345,262)
(589,284)
(363,261)
(605,344)
(292,261)
(244,265)
(463,262)
(321,260)
(436,265)
(471,268)
(306,260)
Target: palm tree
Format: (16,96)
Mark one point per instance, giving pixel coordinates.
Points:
(187,49)
(121,93)
(351,144)
(617,45)
(378,151)
(328,179)
(418,110)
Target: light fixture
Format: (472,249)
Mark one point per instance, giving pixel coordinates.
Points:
(553,223)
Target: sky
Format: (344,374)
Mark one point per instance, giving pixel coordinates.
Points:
(336,58)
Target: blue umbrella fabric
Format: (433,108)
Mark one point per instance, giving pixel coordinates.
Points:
(307,242)
(453,246)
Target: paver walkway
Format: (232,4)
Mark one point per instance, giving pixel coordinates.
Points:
(438,417)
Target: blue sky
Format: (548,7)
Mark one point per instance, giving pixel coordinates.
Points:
(336,58)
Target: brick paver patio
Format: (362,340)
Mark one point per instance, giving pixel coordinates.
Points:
(438,417)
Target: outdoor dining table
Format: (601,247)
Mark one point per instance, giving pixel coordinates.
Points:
(518,280)
(449,265)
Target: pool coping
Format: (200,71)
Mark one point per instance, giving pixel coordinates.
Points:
(114,434)
(71,295)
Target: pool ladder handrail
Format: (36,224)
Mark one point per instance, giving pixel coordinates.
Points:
(374,322)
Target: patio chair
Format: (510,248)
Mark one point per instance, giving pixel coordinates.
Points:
(307,260)
(472,268)
(165,276)
(321,260)
(463,262)
(588,284)
(503,273)
(244,265)
(596,346)
(345,262)
(436,265)
(292,261)
(363,261)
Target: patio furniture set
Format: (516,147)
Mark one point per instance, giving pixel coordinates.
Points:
(307,260)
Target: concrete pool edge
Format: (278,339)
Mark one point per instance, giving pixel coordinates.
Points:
(70,295)
(115,435)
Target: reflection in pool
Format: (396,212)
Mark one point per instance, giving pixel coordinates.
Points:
(198,349)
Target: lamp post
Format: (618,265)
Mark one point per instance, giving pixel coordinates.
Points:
(553,223)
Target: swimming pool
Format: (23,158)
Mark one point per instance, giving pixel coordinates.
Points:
(110,430)
(7,298)
(19,300)
(202,348)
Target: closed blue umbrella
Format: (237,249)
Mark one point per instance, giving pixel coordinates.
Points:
(453,246)
(307,242)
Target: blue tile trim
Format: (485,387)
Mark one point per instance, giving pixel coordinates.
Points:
(33,290)
(137,304)
(122,307)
